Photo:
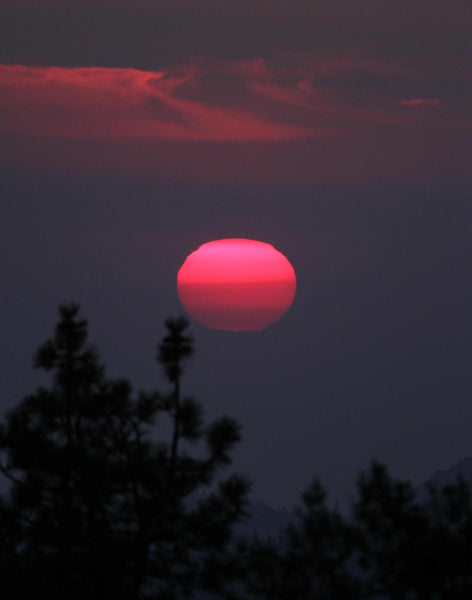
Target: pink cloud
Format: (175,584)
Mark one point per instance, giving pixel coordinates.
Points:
(289,97)
(102,103)
(421,102)
(289,117)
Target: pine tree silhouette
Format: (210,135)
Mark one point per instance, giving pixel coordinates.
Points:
(99,506)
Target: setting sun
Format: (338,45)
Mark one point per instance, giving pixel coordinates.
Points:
(236,284)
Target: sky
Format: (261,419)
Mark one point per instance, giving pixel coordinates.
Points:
(340,132)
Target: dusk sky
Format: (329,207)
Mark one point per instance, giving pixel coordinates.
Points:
(340,132)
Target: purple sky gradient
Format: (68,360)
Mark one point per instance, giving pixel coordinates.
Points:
(339,132)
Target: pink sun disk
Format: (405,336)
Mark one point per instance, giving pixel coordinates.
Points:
(236,284)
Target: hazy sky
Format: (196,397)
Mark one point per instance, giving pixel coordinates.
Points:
(131,132)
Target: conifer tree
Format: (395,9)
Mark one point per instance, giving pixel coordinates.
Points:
(411,549)
(390,546)
(99,504)
(310,560)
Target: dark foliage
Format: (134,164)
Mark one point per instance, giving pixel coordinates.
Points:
(391,546)
(409,549)
(98,506)
(311,561)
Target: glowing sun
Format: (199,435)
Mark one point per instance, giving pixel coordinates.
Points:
(236,284)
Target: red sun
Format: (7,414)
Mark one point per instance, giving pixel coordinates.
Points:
(236,284)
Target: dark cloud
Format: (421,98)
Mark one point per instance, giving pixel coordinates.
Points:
(148,35)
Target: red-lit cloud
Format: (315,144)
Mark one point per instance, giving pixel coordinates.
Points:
(101,103)
(289,98)
(287,117)
(420,102)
